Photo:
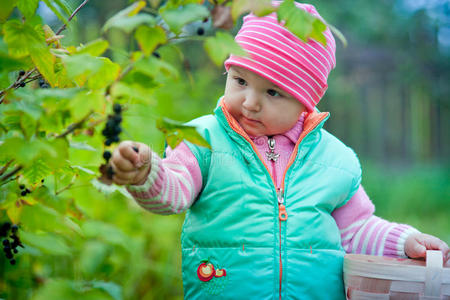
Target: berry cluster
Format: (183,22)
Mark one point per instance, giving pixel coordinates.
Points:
(10,246)
(112,128)
(24,191)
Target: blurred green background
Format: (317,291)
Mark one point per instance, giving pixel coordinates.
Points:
(389,99)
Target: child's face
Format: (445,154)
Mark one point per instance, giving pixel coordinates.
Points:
(260,107)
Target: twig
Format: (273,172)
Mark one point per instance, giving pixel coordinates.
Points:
(72,182)
(12,173)
(12,179)
(74,126)
(5,167)
(71,16)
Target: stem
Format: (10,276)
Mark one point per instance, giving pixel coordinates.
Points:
(5,167)
(74,126)
(12,173)
(71,16)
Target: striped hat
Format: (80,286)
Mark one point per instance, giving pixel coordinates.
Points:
(299,68)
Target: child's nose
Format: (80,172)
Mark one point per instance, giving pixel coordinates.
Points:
(252,101)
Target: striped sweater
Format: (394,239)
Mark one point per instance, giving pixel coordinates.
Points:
(175,181)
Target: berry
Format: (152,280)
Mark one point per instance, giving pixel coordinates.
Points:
(5,242)
(108,142)
(117,130)
(205,20)
(23,193)
(22,186)
(200,31)
(12,261)
(42,180)
(115,139)
(15,251)
(135,149)
(156,54)
(21,73)
(107,155)
(27,191)
(117,118)
(22,84)
(14,228)
(117,108)
(9,255)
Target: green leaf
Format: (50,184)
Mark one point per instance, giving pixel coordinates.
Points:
(106,232)
(44,61)
(221,46)
(258,7)
(128,19)
(114,290)
(176,132)
(93,255)
(301,23)
(35,172)
(85,102)
(98,72)
(149,38)
(94,48)
(46,242)
(27,7)
(108,72)
(6,8)
(155,68)
(56,11)
(178,17)
(8,63)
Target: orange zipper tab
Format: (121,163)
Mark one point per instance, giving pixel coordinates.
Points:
(282,214)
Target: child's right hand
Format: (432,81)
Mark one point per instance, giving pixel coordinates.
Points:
(131,163)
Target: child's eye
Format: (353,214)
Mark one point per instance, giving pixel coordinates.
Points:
(240,81)
(273,93)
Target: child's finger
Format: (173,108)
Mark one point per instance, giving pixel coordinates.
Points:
(126,151)
(144,155)
(122,164)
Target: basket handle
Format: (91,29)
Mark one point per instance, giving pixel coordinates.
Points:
(433,275)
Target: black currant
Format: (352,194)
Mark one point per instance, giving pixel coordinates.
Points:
(22,84)
(9,255)
(135,149)
(5,242)
(12,261)
(42,180)
(21,73)
(117,118)
(117,108)
(115,139)
(200,31)
(15,251)
(108,142)
(22,186)
(156,54)
(205,20)
(23,193)
(107,155)
(14,228)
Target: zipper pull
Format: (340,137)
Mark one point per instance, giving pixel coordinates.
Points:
(282,214)
(271,155)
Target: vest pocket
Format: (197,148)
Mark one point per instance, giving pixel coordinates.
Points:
(229,273)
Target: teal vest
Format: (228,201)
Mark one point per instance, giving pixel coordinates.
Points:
(234,246)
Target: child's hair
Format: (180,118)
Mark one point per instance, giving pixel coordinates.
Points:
(299,68)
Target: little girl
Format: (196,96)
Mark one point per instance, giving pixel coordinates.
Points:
(277,201)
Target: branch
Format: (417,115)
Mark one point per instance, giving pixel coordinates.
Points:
(12,173)
(19,81)
(71,16)
(5,167)
(74,126)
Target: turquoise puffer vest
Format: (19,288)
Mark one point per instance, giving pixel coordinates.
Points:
(234,245)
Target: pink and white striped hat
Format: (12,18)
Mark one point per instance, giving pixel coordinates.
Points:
(299,68)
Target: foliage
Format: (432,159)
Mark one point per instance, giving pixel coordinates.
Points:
(82,238)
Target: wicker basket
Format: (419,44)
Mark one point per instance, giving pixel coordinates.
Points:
(376,278)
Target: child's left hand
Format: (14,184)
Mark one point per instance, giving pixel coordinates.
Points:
(417,244)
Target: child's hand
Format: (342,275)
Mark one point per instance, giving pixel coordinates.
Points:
(131,163)
(417,244)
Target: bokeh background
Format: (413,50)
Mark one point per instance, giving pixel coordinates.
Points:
(389,99)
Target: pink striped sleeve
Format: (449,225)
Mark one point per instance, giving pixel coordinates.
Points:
(362,232)
(172,184)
